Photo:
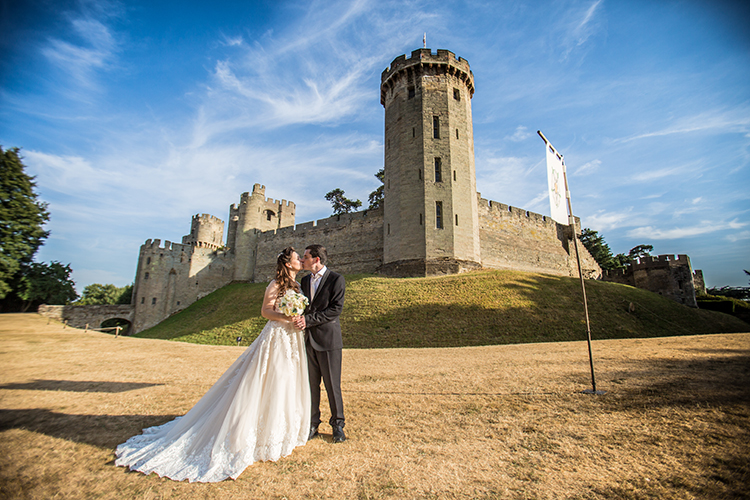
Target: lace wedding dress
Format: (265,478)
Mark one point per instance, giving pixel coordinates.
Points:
(258,410)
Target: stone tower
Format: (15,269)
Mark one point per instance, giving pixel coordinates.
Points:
(431,223)
(205,231)
(247,220)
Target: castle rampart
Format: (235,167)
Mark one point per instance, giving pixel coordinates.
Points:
(664,274)
(514,238)
(354,243)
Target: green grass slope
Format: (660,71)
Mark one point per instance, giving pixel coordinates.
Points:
(479,308)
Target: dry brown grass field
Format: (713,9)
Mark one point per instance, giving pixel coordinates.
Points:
(473,422)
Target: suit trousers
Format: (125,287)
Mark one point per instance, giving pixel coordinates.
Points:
(325,365)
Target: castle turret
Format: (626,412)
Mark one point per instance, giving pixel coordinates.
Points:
(430,220)
(205,231)
(253,215)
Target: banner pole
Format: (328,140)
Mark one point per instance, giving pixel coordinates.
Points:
(571,224)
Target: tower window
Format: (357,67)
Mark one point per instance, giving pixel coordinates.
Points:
(436,127)
(411,92)
(145,276)
(420,173)
(148,260)
(269,215)
(389,229)
(153,301)
(457,219)
(456,133)
(413,132)
(439,214)
(143,300)
(454,176)
(438,170)
(457,94)
(420,219)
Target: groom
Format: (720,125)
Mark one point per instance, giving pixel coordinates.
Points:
(325,291)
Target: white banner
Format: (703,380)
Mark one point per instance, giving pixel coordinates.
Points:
(556,184)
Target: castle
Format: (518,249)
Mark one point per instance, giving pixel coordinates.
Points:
(433,221)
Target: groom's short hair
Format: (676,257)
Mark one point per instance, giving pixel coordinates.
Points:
(318,251)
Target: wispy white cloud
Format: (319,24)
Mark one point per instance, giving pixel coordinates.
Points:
(521,134)
(91,47)
(606,220)
(580,26)
(735,237)
(588,168)
(705,227)
(735,120)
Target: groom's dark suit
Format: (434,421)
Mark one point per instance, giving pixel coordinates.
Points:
(323,342)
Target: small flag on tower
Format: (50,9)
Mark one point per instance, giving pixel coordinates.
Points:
(424,41)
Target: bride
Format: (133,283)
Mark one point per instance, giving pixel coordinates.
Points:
(258,410)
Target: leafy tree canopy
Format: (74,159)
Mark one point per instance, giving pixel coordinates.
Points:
(376,197)
(22,218)
(340,203)
(42,283)
(97,294)
(599,250)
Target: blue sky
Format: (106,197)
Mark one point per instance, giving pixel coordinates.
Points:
(136,115)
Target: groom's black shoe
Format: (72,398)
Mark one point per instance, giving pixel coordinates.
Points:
(313,432)
(338,434)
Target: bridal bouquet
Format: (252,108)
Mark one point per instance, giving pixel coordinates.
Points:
(292,303)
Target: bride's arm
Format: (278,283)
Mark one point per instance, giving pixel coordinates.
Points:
(268,310)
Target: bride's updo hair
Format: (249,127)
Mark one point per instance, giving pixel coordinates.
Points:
(283,274)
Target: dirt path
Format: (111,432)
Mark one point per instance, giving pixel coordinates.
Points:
(497,422)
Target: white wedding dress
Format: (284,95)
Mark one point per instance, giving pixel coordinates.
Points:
(258,410)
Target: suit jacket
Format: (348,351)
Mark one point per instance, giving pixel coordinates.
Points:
(322,314)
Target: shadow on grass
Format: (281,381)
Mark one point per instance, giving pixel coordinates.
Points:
(77,386)
(672,382)
(105,431)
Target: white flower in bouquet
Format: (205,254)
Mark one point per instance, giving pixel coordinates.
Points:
(292,303)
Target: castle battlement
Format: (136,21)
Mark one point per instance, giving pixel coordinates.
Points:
(660,261)
(422,59)
(155,245)
(207,219)
(502,209)
(341,220)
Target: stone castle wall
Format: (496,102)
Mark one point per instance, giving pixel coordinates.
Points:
(666,275)
(513,238)
(172,277)
(354,243)
(91,316)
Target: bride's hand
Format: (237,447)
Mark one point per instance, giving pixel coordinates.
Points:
(299,322)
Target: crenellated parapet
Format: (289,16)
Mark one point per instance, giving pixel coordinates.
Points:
(666,275)
(423,62)
(660,261)
(206,231)
(501,210)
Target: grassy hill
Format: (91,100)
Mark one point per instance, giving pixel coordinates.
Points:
(480,308)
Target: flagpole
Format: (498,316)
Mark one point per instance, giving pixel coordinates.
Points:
(571,224)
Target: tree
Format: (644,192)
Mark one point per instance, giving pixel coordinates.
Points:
(640,251)
(22,218)
(598,249)
(42,283)
(376,197)
(97,294)
(341,204)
